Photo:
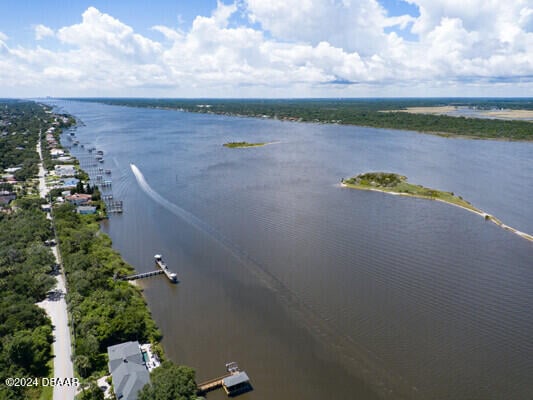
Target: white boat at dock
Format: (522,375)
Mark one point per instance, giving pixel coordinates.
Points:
(161,264)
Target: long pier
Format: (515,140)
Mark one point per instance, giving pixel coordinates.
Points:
(163,269)
(142,275)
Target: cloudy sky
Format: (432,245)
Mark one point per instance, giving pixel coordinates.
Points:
(266,48)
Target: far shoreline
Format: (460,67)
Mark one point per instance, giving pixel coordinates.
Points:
(446,135)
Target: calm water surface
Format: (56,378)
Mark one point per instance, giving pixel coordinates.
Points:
(318,291)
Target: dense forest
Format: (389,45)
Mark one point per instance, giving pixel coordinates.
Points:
(25,267)
(20,122)
(362,112)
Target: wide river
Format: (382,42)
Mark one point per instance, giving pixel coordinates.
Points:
(317,291)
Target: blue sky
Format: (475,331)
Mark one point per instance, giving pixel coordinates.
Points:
(275,48)
(18,17)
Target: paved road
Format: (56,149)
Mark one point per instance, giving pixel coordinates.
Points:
(56,308)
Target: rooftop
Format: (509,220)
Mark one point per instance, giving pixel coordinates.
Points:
(235,379)
(127,369)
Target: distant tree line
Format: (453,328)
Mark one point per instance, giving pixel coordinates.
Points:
(363,112)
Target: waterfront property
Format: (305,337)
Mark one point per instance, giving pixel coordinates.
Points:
(55,152)
(128,370)
(150,358)
(65,170)
(78,199)
(70,182)
(235,382)
(86,210)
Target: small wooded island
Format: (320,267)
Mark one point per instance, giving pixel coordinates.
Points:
(397,184)
(238,145)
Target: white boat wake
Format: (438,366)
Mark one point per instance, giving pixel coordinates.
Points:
(314,321)
(266,277)
(173,208)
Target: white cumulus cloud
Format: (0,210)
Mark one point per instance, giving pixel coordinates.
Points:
(102,33)
(305,47)
(349,24)
(42,31)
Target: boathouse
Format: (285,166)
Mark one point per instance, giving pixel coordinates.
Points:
(236,383)
(128,370)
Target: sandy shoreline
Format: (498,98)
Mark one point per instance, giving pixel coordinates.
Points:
(474,210)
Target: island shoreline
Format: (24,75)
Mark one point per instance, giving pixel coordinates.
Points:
(474,210)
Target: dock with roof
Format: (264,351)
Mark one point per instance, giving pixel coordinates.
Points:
(235,382)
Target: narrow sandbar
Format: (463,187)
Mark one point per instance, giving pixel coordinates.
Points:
(243,145)
(395,184)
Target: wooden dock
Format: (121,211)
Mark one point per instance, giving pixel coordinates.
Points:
(141,275)
(163,269)
(212,384)
(235,382)
(113,206)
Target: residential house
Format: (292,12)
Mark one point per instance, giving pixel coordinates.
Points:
(56,153)
(70,182)
(78,199)
(65,170)
(127,369)
(6,196)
